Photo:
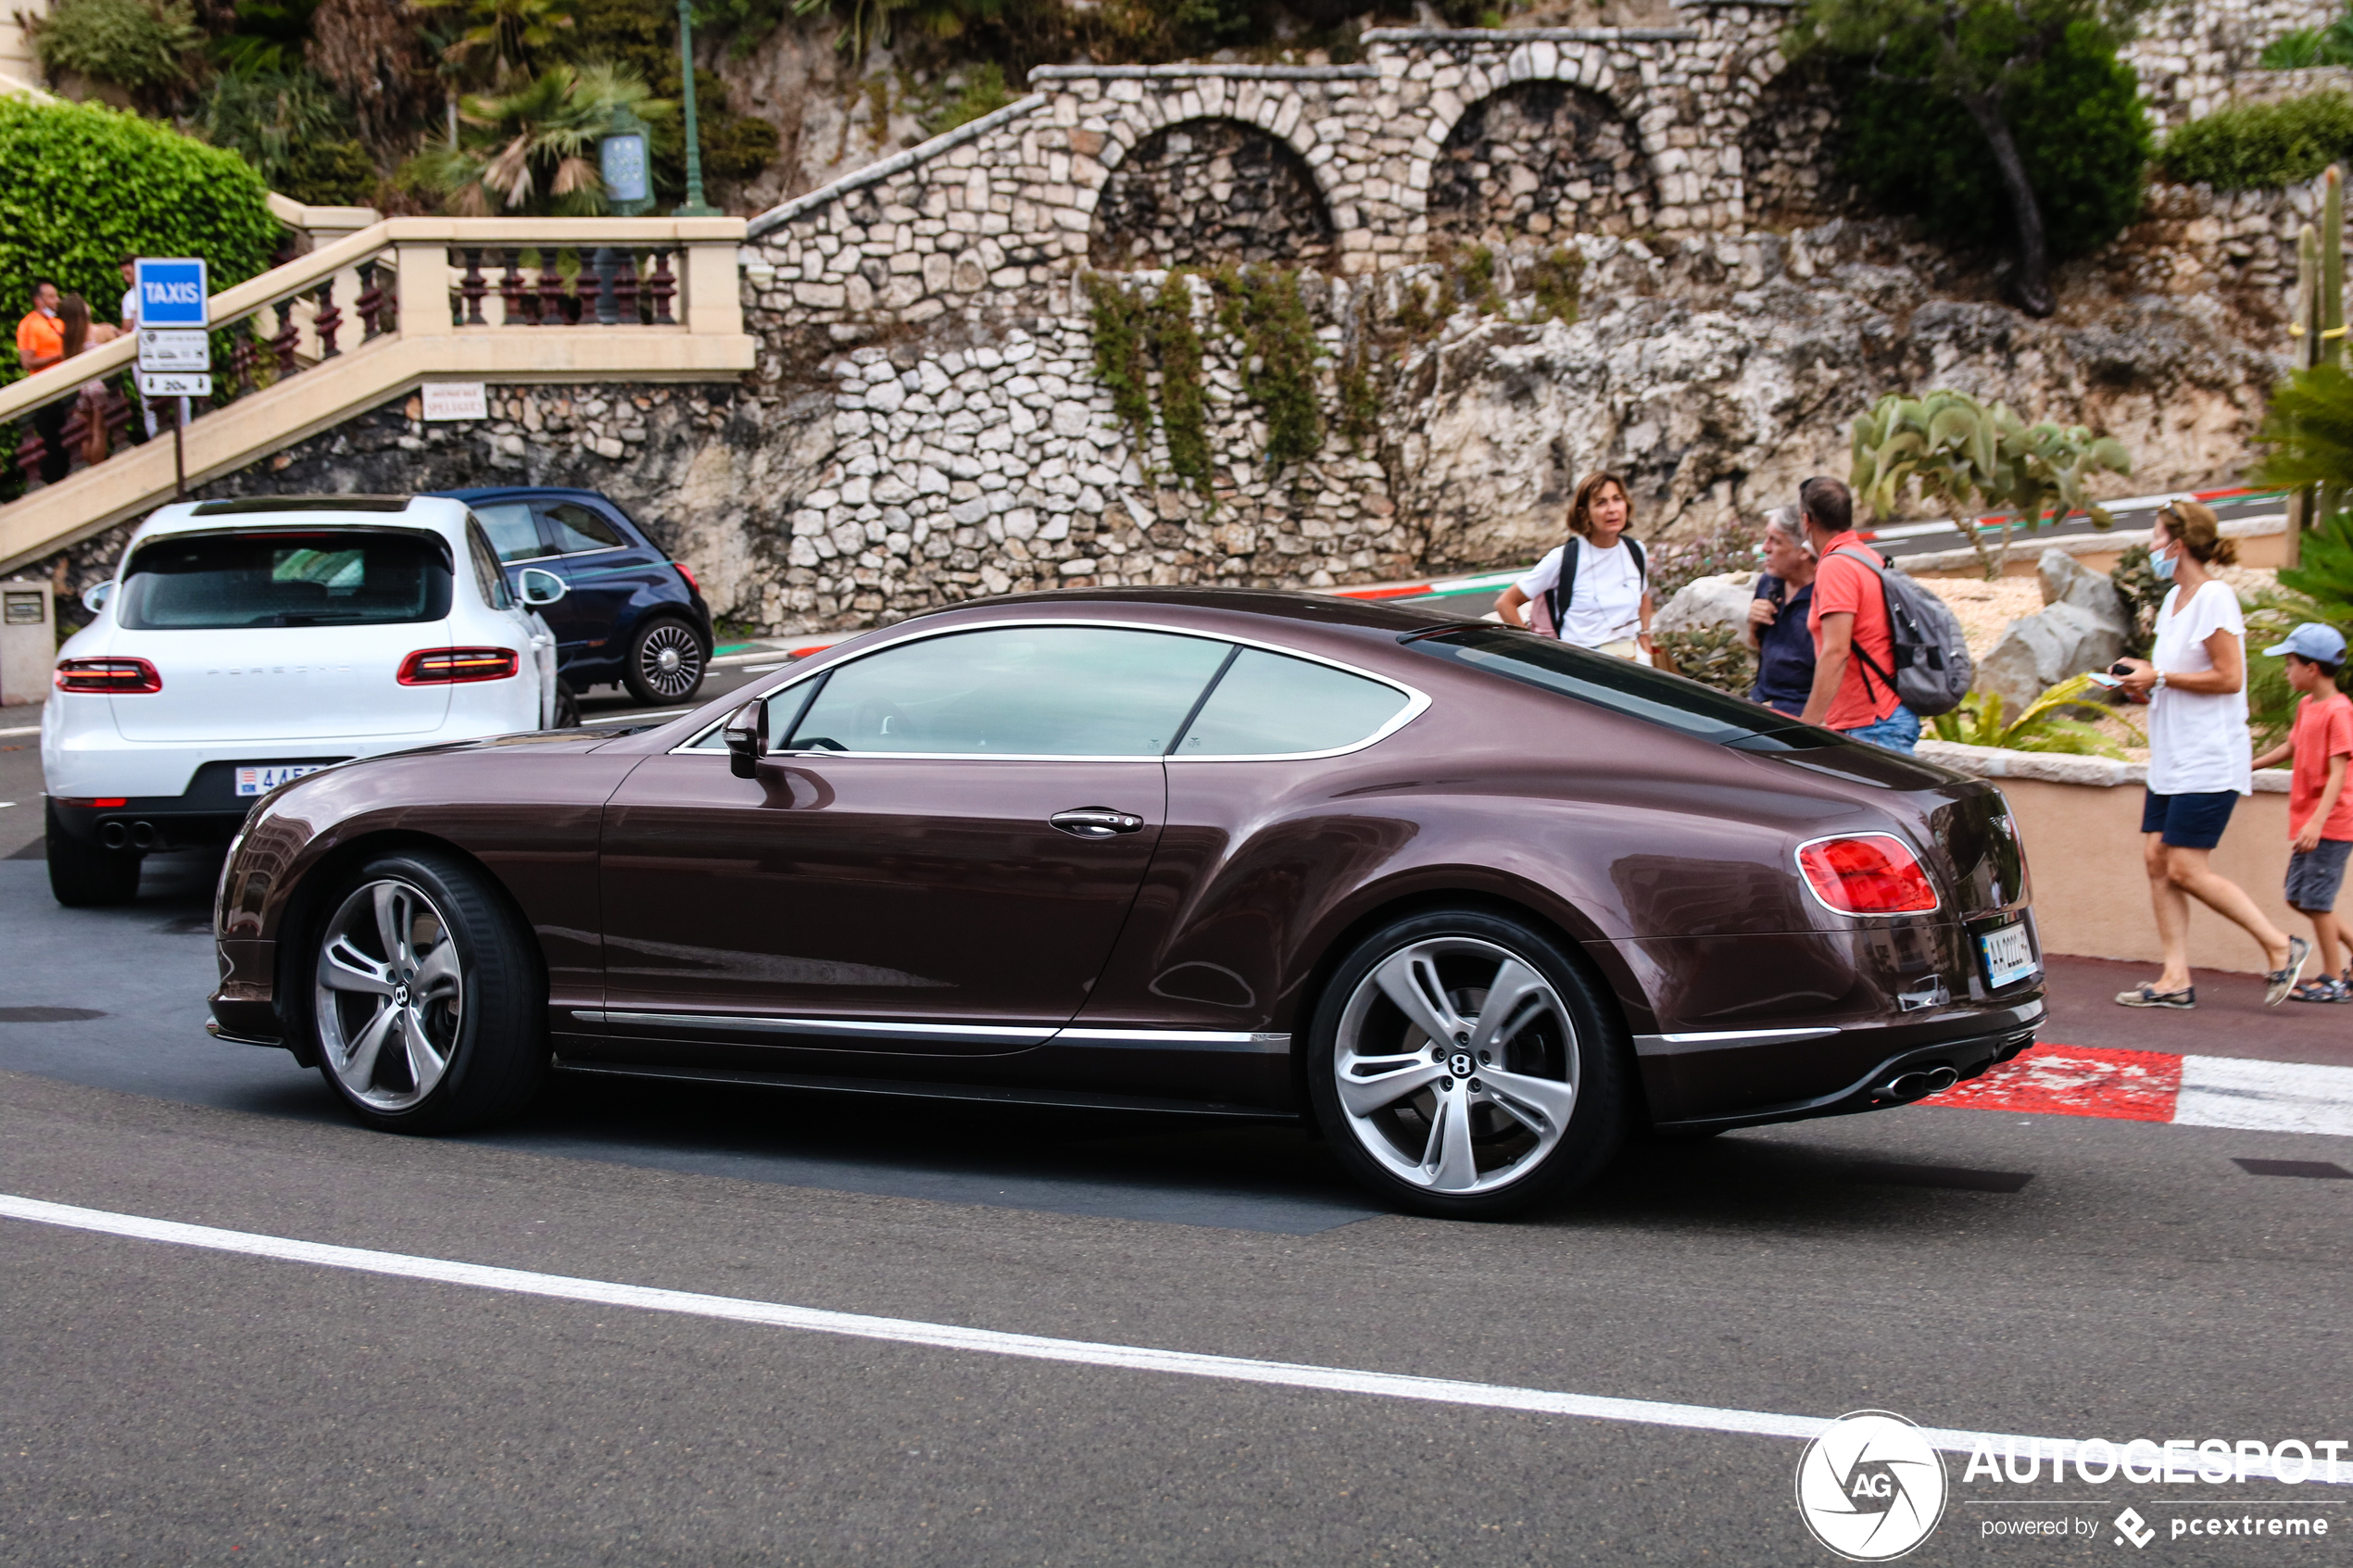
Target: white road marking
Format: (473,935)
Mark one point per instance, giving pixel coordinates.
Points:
(2265,1097)
(22,729)
(994,1342)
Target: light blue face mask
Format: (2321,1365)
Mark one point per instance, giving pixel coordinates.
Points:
(2163,566)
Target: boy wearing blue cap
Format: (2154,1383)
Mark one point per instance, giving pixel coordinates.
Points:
(2319,809)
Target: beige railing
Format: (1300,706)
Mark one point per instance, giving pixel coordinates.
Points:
(365,318)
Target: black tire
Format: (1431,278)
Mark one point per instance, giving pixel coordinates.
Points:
(567,708)
(1560,1073)
(492,1042)
(84,875)
(666,662)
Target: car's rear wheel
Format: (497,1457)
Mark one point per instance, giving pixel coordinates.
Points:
(666,662)
(1462,1066)
(84,875)
(427,1004)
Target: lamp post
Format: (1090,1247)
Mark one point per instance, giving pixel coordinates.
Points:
(694,205)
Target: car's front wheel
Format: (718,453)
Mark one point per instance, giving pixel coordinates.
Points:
(427,1005)
(1462,1066)
(84,875)
(666,662)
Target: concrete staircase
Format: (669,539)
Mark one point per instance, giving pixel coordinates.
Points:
(368,316)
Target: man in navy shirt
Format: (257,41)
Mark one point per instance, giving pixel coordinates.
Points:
(1777,616)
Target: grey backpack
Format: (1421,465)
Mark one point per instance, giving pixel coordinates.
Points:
(1933,670)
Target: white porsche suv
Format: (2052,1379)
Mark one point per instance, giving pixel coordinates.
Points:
(244,642)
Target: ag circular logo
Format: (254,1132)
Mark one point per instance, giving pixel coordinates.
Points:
(1871,1487)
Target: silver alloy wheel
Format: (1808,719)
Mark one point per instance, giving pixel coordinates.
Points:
(670,660)
(1456,1065)
(390,995)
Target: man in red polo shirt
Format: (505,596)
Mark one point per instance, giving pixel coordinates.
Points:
(1854,652)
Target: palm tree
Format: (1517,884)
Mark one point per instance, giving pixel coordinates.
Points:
(534,150)
(513,31)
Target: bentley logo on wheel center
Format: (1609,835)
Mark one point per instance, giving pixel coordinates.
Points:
(1871,1487)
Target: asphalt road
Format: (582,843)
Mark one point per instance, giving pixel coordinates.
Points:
(161,1403)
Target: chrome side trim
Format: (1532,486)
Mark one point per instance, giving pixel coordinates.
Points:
(934,1034)
(949,1034)
(1180,1039)
(1720,1036)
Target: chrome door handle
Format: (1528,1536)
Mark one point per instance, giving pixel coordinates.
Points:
(1096,822)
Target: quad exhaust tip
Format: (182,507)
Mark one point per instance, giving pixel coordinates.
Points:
(1918,1082)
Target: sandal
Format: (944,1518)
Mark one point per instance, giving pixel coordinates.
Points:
(2321,990)
(2150,996)
(2280,982)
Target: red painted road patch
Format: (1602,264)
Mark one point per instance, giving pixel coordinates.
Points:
(2054,1080)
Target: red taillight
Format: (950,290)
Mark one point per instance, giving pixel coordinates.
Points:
(110,802)
(442,667)
(119,676)
(1872,873)
(688,576)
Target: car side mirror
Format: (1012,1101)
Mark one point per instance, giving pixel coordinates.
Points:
(746,734)
(535,585)
(94,598)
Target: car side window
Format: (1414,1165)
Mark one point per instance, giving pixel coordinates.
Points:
(1270,704)
(1015,691)
(512,532)
(486,572)
(575,528)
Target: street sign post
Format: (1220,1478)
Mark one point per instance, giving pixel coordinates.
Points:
(175,352)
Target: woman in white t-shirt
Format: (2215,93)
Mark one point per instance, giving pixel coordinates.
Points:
(2200,756)
(1607,603)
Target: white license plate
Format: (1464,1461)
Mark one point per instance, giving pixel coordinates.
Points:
(2010,956)
(262,779)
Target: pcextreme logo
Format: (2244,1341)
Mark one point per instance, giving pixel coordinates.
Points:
(1871,1487)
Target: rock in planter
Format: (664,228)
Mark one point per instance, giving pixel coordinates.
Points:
(2039,651)
(2068,581)
(1707,602)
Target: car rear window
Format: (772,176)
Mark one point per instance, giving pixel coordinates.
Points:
(577,529)
(1272,705)
(334,577)
(1622,686)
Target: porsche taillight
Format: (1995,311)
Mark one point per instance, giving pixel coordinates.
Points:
(1868,873)
(119,676)
(442,667)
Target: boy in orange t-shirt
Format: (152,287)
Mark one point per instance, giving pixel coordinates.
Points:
(2319,809)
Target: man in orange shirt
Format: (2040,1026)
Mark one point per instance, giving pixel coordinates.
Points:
(41,343)
(1853,651)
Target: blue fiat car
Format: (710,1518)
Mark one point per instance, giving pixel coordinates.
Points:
(630,613)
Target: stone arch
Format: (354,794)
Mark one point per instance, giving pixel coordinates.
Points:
(1197,192)
(1540,158)
(1791,150)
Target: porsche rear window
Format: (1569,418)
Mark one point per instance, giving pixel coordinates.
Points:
(338,578)
(1622,686)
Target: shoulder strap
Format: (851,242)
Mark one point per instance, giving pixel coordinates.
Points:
(1642,564)
(1854,644)
(1560,594)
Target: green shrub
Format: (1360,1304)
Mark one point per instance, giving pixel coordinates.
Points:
(2079,128)
(275,119)
(139,46)
(1714,656)
(2259,146)
(2306,46)
(980,91)
(95,184)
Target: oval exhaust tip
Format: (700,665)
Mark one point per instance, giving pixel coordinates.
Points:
(114,835)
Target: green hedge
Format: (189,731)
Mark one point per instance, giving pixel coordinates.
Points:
(2081,131)
(89,185)
(2253,147)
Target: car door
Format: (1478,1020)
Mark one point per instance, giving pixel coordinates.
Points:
(906,874)
(604,569)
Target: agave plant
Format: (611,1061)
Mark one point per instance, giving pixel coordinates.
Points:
(534,150)
(1977,458)
(2049,723)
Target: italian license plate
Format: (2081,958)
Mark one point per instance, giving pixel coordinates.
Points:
(264,777)
(2010,956)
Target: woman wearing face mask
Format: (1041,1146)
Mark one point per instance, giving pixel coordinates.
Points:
(2199,756)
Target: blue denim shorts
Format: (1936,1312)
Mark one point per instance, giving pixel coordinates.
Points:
(1900,731)
(2189,822)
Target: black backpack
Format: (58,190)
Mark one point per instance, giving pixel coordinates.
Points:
(1561,594)
(1933,670)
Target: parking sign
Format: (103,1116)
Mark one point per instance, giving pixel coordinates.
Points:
(173,291)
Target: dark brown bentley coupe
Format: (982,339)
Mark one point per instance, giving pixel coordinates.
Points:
(1476,902)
